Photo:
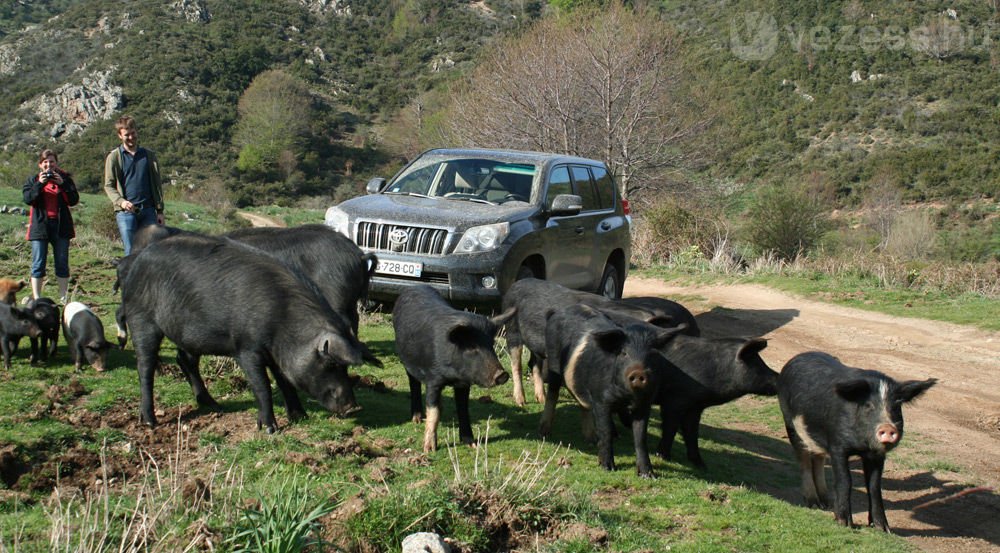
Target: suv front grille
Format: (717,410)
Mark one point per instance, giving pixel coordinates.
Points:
(419,240)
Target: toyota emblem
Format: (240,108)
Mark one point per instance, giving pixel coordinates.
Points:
(397,239)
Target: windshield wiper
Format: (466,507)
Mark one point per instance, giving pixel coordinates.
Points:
(417,194)
(468,199)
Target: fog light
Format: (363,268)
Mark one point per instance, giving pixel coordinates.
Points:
(489,281)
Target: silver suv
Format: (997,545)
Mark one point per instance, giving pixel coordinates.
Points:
(471,222)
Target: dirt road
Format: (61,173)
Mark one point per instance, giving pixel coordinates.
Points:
(954,428)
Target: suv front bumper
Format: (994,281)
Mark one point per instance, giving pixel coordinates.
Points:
(459,278)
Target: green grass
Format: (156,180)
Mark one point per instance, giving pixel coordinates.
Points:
(374,457)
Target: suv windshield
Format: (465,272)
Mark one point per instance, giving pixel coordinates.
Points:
(467,179)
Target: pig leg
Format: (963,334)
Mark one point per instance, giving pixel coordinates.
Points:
(809,492)
(433,417)
(53,344)
(873,484)
(587,425)
(78,356)
(640,422)
(537,369)
(5,344)
(147,352)
(189,366)
(602,423)
(819,478)
(462,406)
(416,401)
(34,357)
(549,412)
(255,368)
(841,488)
(670,424)
(690,422)
(514,352)
(293,407)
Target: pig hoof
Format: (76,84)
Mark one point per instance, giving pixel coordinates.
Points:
(296,415)
(417,417)
(647,475)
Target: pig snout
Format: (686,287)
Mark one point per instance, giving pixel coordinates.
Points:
(637,378)
(350,410)
(500,377)
(887,434)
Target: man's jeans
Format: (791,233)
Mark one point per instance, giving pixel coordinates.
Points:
(128,223)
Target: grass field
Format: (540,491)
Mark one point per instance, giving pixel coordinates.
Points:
(80,474)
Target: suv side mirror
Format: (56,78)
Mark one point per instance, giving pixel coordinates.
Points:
(375,185)
(566,204)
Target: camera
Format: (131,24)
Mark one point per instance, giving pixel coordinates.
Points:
(48,175)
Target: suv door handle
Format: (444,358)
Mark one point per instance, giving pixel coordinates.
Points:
(578,230)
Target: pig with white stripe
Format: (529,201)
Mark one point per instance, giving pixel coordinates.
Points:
(832,410)
(85,336)
(609,369)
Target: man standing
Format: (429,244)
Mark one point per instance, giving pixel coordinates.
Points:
(132,181)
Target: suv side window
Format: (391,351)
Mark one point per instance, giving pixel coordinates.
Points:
(585,188)
(559,183)
(605,187)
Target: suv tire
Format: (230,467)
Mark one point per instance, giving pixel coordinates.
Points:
(611,283)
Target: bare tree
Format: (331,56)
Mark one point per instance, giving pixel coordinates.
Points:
(604,84)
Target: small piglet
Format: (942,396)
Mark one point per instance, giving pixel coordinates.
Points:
(702,373)
(85,336)
(46,314)
(608,369)
(440,346)
(832,410)
(15,323)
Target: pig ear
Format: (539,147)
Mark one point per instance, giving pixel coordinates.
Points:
(368,356)
(750,347)
(502,318)
(462,335)
(610,340)
(668,334)
(340,350)
(855,391)
(912,389)
(662,321)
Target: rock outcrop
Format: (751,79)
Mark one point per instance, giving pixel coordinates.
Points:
(71,108)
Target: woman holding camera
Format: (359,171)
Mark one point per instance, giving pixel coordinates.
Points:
(50,193)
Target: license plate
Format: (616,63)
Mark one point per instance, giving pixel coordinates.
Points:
(399,268)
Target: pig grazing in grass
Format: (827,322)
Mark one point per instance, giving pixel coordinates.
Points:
(46,314)
(441,346)
(832,410)
(85,337)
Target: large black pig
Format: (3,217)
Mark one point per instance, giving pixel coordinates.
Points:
(608,369)
(832,410)
(214,296)
(441,346)
(677,313)
(702,373)
(15,323)
(535,300)
(46,314)
(336,264)
(85,336)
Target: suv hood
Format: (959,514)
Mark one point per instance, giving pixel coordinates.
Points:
(433,212)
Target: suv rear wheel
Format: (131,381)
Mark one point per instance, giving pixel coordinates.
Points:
(611,283)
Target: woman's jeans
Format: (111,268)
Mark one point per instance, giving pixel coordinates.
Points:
(60,251)
(129,222)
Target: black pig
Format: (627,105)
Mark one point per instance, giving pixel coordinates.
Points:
(441,346)
(702,373)
(85,337)
(832,410)
(677,313)
(535,300)
(608,369)
(336,264)
(15,323)
(46,314)
(214,296)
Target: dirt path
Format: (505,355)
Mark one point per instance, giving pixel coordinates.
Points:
(258,220)
(956,425)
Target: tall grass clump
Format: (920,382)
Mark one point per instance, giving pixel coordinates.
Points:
(285,521)
(911,236)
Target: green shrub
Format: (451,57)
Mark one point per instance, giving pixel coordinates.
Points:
(786,220)
(286,521)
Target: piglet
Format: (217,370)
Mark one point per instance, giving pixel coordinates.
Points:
(832,410)
(85,336)
(15,323)
(440,346)
(46,314)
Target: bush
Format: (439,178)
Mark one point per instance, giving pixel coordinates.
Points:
(786,220)
(669,228)
(912,236)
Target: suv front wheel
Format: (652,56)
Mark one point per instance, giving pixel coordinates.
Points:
(611,283)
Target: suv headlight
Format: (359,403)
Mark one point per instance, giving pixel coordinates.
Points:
(337,220)
(483,239)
